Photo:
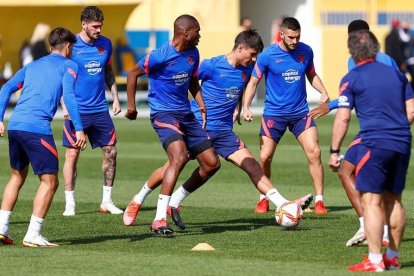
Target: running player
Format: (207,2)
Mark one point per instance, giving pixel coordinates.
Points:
(223,79)
(384,104)
(92,52)
(172,72)
(30,135)
(285,65)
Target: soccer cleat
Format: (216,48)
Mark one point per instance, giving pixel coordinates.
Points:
(358,238)
(109,208)
(161,227)
(391,264)
(69,211)
(262,206)
(38,241)
(131,213)
(5,239)
(304,201)
(320,208)
(368,266)
(174,214)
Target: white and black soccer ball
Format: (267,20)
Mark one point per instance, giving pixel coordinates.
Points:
(289,215)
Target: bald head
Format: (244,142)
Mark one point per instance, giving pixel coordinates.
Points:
(185,22)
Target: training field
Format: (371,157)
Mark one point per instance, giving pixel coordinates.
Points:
(220,214)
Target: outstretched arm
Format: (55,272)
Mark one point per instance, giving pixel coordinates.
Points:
(339,130)
(316,83)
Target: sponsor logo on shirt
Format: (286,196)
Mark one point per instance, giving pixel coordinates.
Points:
(291,75)
(181,78)
(93,67)
(343,101)
(232,93)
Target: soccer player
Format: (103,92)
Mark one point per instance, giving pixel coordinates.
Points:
(30,136)
(172,72)
(285,66)
(384,104)
(223,79)
(346,172)
(92,52)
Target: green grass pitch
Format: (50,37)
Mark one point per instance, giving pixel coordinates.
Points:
(220,214)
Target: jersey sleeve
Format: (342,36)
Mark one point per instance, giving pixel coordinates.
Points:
(110,50)
(351,63)
(346,96)
(150,61)
(197,62)
(14,84)
(68,85)
(260,67)
(310,67)
(205,70)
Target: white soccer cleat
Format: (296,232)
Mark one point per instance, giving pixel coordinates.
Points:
(358,238)
(38,241)
(109,208)
(69,211)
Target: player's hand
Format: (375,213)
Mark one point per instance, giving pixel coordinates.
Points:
(131,114)
(116,107)
(1,129)
(334,162)
(320,110)
(247,115)
(236,116)
(81,140)
(65,113)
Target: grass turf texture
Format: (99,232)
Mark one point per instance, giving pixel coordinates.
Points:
(220,214)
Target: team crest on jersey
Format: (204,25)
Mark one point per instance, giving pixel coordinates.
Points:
(191,60)
(244,76)
(301,58)
(101,50)
(270,123)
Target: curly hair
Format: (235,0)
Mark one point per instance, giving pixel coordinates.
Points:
(362,45)
(91,13)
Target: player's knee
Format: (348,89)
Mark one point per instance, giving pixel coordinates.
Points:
(265,160)
(314,155)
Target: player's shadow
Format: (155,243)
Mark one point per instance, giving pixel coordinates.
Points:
(338,208)
(103,238)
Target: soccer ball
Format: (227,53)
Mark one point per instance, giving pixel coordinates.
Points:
(288,215)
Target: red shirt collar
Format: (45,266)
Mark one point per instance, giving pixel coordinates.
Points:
(368,60)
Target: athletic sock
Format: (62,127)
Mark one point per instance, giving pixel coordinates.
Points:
(4,221)
(142,194)
(35,226)
(375,258)
(391,253)
(178,196)
(318,198)
(262,196)
(107,194)
(70,198)
(162,207)
(385,236)
(275,197)
(361,222)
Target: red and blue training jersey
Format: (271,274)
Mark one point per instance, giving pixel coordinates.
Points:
(222,86)
(285,76)
(378,93)
(43,83)
(169,74)
(90,85)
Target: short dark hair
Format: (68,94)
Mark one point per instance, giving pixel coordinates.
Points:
(91,13)
(357,25)
(362,45)
(185,20)
(290,23)
(59,36)
(251,39)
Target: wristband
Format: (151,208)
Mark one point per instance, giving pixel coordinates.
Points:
(331,150)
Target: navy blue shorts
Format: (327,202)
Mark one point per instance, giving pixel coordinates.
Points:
(275,126)
(174,126)
(351,154)
(225,142)
(380,170)
(97,126)
(29,147)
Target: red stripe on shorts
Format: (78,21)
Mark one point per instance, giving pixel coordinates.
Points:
(68,136)
(265,129)
(362,162)
(161,124)
(49,147)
